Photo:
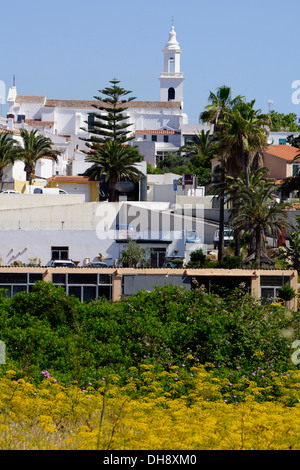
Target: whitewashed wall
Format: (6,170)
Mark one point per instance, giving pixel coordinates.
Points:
(28,244)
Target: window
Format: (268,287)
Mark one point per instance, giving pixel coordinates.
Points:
(13,278)
(21,118)
(171,65)
(158,256)
(82,278)
(59,252)
(282,141)
(91,121)
(171,94)
(154,138)
(86,287)
(105,279)
(59,279)
(269,286)
(35,277)
(296,169)
(166,138)
(18,282)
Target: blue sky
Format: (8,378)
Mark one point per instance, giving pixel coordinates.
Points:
(71,49)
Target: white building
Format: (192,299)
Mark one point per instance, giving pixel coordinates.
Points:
(37,227)
(280,137)
(156,125)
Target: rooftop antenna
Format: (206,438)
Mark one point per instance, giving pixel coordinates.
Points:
(14,80)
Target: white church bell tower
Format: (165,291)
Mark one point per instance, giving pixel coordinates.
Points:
(171,79)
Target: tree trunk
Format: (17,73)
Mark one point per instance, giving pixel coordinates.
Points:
(237,234)
(1,177)
(112,189)
(221,229)
(247,182)
(258,246)
(28,170)
(237,242)
(221,218)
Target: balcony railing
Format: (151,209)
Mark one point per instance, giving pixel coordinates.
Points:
(171,74)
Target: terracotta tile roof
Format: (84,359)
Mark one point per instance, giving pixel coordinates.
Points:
(69,179)
(286,152)
(36,122)
(50,103)
(4,130)
(30,99)
(69,103)
(132,104)
(154,104)
(157,131)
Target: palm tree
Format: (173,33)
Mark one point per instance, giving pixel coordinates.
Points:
(221,103)
(199,152)
(202,144)
(244,136)
(258,211)
(234,187)
(35,146)
(242,139)
(117,162)
(216,113)
(7,146)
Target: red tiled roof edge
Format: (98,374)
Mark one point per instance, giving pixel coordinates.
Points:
(50,103)
(69,179)
(157,131)
(286,152)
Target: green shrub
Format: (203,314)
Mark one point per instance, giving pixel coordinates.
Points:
(48,330)
(286,292)
(197,259)
(231,262)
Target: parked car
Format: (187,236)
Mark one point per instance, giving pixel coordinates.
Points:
(97,264)
(9,191)
(61,262)
(228,237)
(192,237)
(50,191)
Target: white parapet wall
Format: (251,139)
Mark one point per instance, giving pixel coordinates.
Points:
(23,201)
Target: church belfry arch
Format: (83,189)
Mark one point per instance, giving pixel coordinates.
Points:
(171,94)
(171,79)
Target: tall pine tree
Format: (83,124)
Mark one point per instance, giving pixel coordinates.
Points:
(108,140)
(109,122)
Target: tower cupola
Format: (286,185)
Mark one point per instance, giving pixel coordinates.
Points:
(171,79)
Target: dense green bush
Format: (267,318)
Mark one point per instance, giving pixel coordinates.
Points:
(197,259)
(48,330)
(286,292)
(231,262)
